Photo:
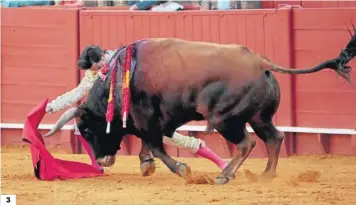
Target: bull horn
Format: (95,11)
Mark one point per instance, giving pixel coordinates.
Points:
(63,119)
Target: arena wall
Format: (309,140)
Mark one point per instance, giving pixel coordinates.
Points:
(38,57)
(44,48)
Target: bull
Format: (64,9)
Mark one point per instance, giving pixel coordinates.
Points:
(176,81)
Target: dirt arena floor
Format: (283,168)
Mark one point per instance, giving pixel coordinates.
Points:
(306,180)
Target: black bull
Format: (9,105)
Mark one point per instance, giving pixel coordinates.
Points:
(177,81)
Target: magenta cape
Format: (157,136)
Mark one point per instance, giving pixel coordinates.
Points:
(46,167)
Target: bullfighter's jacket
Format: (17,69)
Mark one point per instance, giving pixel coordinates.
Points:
(73,96)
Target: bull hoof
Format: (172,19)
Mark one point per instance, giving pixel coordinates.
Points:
(106,161)
(148,168)
(183,170)
(221,179)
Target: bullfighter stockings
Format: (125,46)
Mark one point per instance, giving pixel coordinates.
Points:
(197,146)
(207,153)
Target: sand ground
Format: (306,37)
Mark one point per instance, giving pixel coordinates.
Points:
(305,180)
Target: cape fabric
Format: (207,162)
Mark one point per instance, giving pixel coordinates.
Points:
(46,167)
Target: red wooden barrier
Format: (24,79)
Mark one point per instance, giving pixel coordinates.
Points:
(275,4)
(327,4)
(323,99)
(315,40)
(310,4)
(39,52)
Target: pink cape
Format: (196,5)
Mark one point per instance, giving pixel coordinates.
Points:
(46,167)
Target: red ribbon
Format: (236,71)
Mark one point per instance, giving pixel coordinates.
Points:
(111,102)
(126,86)
(125,91)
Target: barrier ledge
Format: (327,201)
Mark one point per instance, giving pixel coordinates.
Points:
(201,128)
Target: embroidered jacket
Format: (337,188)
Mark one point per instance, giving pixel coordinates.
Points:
(73,96)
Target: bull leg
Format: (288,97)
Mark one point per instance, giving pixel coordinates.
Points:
(239,136)
(147,164)
(273,140)
(158,151)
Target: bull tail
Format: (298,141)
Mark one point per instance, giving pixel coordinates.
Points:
(65,117)
(338,64)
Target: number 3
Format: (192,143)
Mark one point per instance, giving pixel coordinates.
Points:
(8,200)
